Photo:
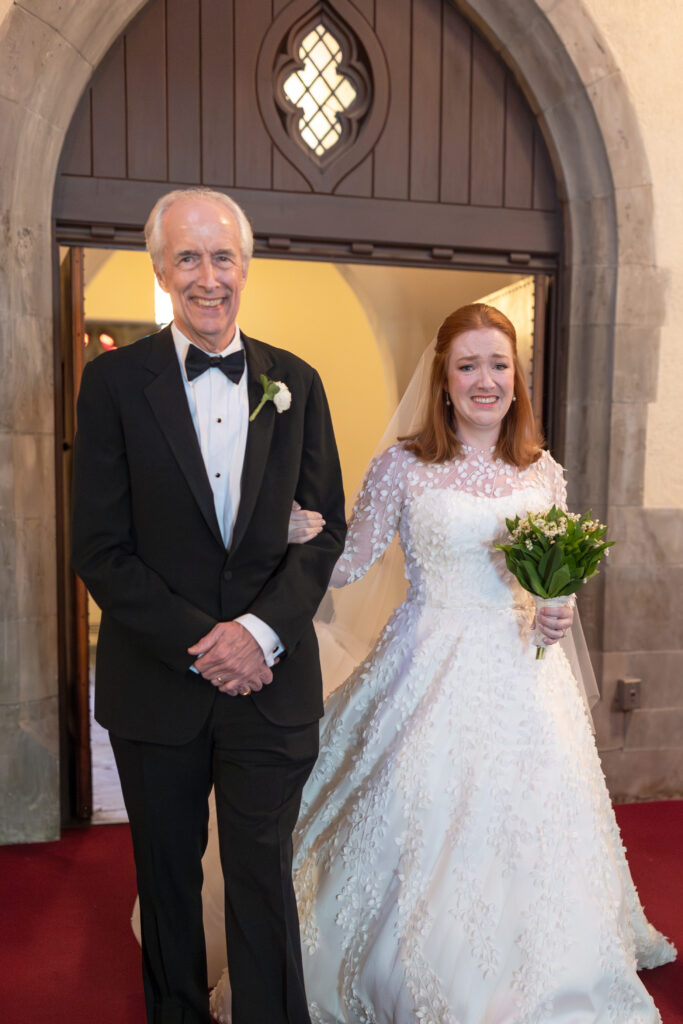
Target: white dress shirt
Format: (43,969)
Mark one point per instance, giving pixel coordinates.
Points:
(220,414)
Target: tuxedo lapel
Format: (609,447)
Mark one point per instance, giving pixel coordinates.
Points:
(258,437)
(166,395)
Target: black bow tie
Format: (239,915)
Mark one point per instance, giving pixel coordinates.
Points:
(197,360)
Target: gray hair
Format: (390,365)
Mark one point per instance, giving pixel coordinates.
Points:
(154,230)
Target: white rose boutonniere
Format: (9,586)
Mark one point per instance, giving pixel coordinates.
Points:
(273,391)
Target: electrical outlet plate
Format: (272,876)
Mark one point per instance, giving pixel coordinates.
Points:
(628,694)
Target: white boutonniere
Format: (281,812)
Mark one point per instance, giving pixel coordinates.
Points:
(273,391)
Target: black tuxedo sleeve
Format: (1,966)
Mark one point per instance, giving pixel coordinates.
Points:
(290,598)
(103,536)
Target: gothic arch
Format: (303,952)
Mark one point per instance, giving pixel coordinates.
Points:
(611,310)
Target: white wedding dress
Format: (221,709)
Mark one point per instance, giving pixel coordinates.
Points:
(457,860)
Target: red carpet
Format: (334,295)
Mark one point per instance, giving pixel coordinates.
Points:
(68,955)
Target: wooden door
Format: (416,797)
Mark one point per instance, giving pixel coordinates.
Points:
(438,159)
(73,609)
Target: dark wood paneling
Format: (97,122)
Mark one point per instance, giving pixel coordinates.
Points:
(218,120)
(286,178)
(82,200)
(175,102)
(146,95)
(545,189)
(77,152)
(519,149)
(358,182)
(109,116)
(252,144)
(455,108)
(425,124)
(392,149)
(183,89)
(366,8)
(488,126)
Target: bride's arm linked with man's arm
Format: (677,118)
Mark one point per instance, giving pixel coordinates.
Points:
(374,522)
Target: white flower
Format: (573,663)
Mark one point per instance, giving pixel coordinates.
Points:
(282,399)
(273,391)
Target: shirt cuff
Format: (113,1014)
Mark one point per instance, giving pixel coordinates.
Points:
(265,637)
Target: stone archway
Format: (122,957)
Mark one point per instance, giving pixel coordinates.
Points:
(48,51)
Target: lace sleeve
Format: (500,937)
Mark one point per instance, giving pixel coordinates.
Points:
(553,475)
(374,519)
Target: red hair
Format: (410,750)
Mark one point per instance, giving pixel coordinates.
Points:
(519,442)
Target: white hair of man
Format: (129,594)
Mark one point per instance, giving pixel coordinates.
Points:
(154,228)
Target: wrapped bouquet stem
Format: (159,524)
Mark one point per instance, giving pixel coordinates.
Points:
(538,637)
(552,554)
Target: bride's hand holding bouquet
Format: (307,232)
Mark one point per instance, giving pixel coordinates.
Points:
(552,554)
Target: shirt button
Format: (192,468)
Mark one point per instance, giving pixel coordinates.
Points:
(227,575)
(217,474)
(219,420)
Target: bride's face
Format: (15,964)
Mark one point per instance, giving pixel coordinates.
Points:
(480,381)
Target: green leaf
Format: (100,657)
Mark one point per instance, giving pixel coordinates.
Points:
(558,581)
(533,577)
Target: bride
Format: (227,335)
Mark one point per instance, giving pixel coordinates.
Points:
(457,860)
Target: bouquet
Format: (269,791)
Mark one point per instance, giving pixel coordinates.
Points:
(553,553)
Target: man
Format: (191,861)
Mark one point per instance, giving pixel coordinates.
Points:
(207,665)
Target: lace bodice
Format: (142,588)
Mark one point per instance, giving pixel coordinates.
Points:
(448,517)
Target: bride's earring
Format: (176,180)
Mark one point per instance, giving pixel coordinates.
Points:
(447,398)
(514,398)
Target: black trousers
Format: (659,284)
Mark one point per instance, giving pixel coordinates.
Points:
(258,770)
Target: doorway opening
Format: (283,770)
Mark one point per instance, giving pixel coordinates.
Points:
(364,328)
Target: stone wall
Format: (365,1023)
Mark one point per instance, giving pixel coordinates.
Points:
(48,49)
(613,309)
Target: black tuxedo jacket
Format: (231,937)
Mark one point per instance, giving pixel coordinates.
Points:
(147,544)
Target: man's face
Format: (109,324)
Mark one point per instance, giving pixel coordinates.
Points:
(202,271)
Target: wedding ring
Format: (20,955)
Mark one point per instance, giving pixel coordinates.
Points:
(244,693)
(219,679)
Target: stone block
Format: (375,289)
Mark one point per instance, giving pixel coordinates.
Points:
(27,380)
(38,658)
(646,536)
(635,220)
(643,774)
(592,290)
(661,673)
(586,46)
(36,573)
(539,57)
(583,169)
(628,437)
(642,609)
(89,27)
(8,567)
(39,69)
(620,131)
(500,22)
(592,231)
(589,362)
(6,476)
(586,454)
(34,497)
(654,729)
(641,296)
(636,363)
(29,772)
(26,270)
(9,659)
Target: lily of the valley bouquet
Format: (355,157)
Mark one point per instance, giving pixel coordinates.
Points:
(552,554)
